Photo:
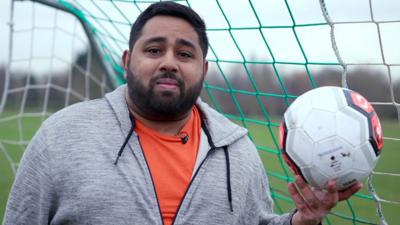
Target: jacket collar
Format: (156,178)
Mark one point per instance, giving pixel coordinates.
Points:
(223,132)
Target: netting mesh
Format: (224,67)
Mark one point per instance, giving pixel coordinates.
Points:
(263,54)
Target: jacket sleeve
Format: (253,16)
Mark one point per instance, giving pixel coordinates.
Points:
(259,201)
(30,198)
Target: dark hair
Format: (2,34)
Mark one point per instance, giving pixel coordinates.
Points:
(170,9)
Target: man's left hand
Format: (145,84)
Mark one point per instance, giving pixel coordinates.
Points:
(314,204)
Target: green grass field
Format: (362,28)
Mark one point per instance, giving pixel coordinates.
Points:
(360,206)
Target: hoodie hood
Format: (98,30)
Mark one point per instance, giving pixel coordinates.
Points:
(223,132)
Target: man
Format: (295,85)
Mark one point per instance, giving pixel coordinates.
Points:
(151,152)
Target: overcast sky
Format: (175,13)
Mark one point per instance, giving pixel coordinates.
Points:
(357,43)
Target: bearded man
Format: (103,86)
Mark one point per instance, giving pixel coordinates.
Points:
(151,152)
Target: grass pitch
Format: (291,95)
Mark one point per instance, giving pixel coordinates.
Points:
(360,207)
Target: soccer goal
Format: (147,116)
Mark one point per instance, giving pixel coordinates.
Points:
(263,54)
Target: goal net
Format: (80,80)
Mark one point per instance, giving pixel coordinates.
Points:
(262,55)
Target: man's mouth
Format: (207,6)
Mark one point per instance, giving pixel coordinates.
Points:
(167,83)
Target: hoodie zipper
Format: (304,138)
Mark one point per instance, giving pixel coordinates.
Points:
(152,181)
(187,189)
(190,184)
(213,148)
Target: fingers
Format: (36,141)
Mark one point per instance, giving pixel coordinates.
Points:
(331,186)
(313,197)
(348,192)
(332,196)
(296,196)
(305,196)
(312,204)
(308,194)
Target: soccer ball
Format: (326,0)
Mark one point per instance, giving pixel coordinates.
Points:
(331,133)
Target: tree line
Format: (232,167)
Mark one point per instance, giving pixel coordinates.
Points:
(269,88)
(251,89)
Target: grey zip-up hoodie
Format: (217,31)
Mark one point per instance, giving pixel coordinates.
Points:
(67,174)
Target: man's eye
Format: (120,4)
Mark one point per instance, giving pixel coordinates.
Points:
(153,51)
(185,54)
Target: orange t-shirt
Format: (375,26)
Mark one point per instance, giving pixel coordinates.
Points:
(171,162)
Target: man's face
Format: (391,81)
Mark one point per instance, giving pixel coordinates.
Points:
(165,70)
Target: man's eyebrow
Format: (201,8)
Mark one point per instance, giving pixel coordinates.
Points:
(179,41)
(185,43)
(155,40)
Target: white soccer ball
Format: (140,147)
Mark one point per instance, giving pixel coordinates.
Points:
(331,133)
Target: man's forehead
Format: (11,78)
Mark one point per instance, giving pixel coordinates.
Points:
(169,27)
(164,19)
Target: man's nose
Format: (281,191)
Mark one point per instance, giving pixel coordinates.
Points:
(169,63)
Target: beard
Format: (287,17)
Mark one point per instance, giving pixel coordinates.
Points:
(162,105)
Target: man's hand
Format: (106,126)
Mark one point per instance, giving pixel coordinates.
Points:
(313,204)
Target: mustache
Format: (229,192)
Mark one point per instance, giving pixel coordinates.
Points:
(168,75)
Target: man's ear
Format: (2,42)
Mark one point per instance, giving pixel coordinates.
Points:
(205,67)
(125,59)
